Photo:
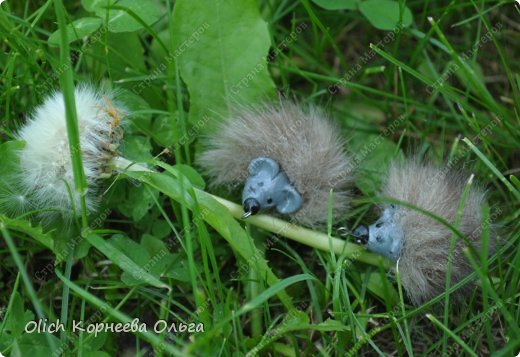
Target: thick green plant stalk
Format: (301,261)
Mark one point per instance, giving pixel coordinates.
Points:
(303,235)
(275,225)
(67,86)
(80,182)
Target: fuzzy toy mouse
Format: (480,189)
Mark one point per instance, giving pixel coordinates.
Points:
(419,244)
(288,158)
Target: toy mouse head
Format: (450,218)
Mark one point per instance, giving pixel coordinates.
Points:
(419,244)
(385,236)
(288,159)
(268,186)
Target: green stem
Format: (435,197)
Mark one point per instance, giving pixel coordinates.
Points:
(67,86)
(305,236)
(289,230)
(456,338)
(71,117)
(27,281)
(65,294)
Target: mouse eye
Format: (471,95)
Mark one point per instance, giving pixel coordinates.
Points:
(269,200)
(379,225)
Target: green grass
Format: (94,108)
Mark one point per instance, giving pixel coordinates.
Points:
(163,246)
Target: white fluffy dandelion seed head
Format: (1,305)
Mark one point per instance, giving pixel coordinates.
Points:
(45,161)
(14,198)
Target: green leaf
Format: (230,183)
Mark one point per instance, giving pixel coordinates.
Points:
(23,226)
(299,321)
(135,252)
(15,199)
(125,54)
(139,118)
(162,131)
(178,269)
(152,256)
(160,228)
(330,325)
(95,354)
(120,20)
(139,201)
(474,70)
(336,4)
(174,266)
(15,321)
(378,287)
(384,14)
(190,173)
(76,30)
(515,181)
(34,344)
(93,5)
(82,250)
(144,203)
(94,343)
(373,154)
(137,148)
(9,159)
(221,50)
(118,257)
(273,290)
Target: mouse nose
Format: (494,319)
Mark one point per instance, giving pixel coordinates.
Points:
(251,207)
(361,234)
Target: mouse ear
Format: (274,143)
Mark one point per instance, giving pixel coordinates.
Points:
(263,164)
(291,202)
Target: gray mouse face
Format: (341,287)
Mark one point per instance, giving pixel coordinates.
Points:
(267,187)
(385,236)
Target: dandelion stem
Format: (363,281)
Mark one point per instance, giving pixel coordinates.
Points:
(289,230)
(305,236)
(38,308)
(67,86)
(71,117)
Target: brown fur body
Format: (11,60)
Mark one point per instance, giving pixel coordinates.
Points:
(307,146)
(423,263)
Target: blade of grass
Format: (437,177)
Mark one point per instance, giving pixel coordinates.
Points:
(492,167)
(65,294)
(10,303)
(406,338)
(469,73)
(450,93)
(26,280)
(150,337)
(456,338)
(456,224)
